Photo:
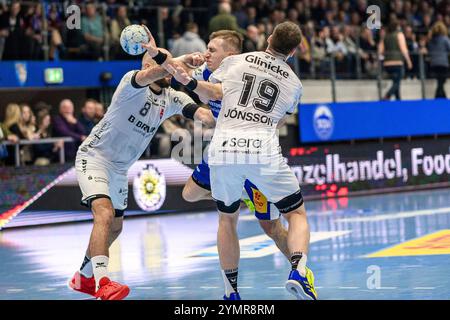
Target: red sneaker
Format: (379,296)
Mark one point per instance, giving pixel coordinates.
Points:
(82,284)
(111,290)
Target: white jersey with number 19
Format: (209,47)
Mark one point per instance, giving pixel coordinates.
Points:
(259,89)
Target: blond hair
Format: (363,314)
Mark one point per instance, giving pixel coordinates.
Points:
(12,115)
(439,28)
(232,40)
(27,128)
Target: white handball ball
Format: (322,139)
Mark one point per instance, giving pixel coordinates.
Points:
(131,39)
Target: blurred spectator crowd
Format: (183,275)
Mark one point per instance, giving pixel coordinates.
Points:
(22,122)
(331,27)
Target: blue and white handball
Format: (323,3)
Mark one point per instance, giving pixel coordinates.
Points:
(131,39)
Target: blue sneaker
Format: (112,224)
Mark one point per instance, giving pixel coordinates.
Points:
(233,296)
(301,287)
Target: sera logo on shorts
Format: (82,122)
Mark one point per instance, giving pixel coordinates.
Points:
(323,122)
(242,143)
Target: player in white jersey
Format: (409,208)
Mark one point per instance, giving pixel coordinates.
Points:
(258,90)
(138,107)
(222,44)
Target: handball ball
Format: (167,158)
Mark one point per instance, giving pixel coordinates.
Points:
(131,39)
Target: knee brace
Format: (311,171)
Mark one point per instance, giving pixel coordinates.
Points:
(228,209)
(290,202)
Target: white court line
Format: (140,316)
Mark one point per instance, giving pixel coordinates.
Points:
(386,288)
(14,290)
(398,215)
(176,287)
(47,289)
(276,288)
(144,288)
(424,288)
(245,287)
(345,288)
(204,287)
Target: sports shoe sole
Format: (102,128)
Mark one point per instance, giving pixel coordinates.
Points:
(294,288)
(119,295)
(72,287)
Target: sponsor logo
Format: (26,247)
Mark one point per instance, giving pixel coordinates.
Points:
(323,122)
(433,244)
(97,134)
(267,65)
(242,143)
(141,125)
(249,116)
(21,72)
(101,180)
(260,201)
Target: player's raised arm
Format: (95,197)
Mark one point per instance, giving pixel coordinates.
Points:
(188,61)
(152,72)
(208,90)
(182,104)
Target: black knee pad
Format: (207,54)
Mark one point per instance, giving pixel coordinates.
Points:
(290,203)
(118,213)
(228,209)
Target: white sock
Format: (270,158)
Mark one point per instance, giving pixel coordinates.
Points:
(228,287)
(86,268)
(301,267)
(100,269)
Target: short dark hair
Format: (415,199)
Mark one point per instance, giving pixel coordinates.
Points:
(285,37)
(190,26)
(232,39)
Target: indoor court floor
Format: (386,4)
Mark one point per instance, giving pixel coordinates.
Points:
(391,246)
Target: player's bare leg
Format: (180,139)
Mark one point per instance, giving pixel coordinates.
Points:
(103,211)
(116,230)
(192,192)
(301,279)
(106,229)
(229,251)
(278,233)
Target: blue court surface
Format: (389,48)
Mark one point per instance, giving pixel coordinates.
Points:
(392,246)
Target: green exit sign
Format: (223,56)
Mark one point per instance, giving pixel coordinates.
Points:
(54,75)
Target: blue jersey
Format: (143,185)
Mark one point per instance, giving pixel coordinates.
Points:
(203,73)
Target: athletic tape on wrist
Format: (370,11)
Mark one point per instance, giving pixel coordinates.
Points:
(160,58)
(192,84)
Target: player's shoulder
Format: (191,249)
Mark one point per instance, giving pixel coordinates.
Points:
(129,75)
(201,73)
(177,97)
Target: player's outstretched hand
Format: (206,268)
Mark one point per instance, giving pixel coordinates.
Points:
(151,47)
(194,60)
(178,73)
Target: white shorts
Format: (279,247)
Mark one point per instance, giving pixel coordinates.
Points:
(275,181)
(96,180)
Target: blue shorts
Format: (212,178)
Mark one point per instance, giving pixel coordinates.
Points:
(201,175)
(264,210)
